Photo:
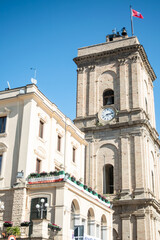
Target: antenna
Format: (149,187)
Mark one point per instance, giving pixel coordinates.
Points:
(33,80)
(8,85)
(35,71)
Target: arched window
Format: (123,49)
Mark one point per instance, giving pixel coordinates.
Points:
(108,97)
(108,179)
(103,227)
(73,210)
(90,222)
(75,216)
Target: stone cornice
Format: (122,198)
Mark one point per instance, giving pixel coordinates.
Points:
(85,59)
(119,125)
(144,202)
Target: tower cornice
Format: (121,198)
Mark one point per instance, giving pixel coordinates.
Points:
(86,59)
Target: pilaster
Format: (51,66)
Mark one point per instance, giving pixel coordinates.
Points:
(141,227)
(19,200)
(126,226)
(91,99)
(138,153)
(125,159)
(136,78)
(80,92)
(123,85)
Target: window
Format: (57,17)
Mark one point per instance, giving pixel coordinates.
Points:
(2,124)
(90,222)
(0,163)
(103,228)
(73,210)
(74,154)
(38,166)
(108,179)
(41,126)
(108,97)
(79,232)
(59,143)
(34,213)
(97,230)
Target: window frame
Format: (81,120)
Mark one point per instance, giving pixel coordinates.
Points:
(41,128)
(59,142)
(38,165)
(74,154)
(3,124)
(107,97)
(108,179)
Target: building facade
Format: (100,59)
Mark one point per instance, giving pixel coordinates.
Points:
(42,157)
(115,110)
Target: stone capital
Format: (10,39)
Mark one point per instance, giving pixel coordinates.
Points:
(135,59)
(122,61)
(125,216)
(80,70)
(91,68)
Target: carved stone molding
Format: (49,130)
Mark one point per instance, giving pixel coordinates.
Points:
(135,59)
(122,61)
(91,68)
(80,70)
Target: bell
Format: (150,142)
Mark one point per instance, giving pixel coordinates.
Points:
(124,32)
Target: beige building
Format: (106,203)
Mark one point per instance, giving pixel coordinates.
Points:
(115,110)
(39,145)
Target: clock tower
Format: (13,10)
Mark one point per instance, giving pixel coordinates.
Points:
(115,110)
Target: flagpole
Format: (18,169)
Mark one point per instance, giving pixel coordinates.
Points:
(131,20)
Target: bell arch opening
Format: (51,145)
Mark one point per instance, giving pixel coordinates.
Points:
(108,179)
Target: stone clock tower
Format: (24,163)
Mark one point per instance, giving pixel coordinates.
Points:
(115,110)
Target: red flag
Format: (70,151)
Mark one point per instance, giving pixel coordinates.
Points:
(136,14)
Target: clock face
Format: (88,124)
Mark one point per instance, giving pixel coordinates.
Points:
(107,114)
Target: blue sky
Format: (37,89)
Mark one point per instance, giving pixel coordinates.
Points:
(47,33)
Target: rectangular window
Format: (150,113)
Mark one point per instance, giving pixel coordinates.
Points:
(2,124)
(38,166)
(59,143)
(0,163)
(74,154)
(41,126)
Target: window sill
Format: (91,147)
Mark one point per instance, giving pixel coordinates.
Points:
(42,140)
(3,134)
(74,164)
(60,153)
